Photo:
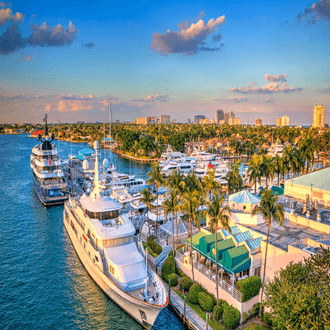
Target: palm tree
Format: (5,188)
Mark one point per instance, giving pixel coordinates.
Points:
(290,159)
(307,147)
(155,178)
(277,164)
(171,205)
(233,177)
(255,170)
(147,198)
(270,211)
(267,168)
(175,181)
(219,215)
(209,182)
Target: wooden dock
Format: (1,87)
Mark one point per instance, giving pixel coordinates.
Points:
(192,319)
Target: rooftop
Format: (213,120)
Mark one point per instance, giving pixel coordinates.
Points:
(244,197)
(319,179)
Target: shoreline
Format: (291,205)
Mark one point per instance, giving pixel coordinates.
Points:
(148,160)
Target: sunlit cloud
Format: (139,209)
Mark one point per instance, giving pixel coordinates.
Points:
(318,11)
(277,78)
(153,98)
(189,40)
(6,15)
(253,83)
(28,58)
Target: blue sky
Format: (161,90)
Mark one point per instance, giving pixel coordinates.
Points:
(254,58)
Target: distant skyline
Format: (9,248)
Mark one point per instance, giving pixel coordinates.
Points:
(258,59)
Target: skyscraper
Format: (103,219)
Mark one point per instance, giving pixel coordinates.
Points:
(258,122)
(279,121)
(165,119)
(318,116)
(225,118)
(219,116)
(231,114)
(198,117)
(285,121)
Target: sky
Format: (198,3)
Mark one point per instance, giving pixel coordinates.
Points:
(259,59)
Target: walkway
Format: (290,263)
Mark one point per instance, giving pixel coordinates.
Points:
(193,319)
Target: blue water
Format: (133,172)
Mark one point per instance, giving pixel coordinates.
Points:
(43,284)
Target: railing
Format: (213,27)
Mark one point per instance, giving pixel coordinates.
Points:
(207,272)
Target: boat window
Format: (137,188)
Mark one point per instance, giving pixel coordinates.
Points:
(103,215)
(118,241)
(111,270)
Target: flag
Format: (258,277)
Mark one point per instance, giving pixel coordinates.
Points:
(50,161)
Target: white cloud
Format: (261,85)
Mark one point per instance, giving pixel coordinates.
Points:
(6,15)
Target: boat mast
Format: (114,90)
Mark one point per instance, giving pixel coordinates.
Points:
(110,129)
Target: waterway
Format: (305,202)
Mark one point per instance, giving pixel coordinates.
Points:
(43,284)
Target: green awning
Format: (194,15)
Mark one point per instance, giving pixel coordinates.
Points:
(222,246)
(206,241)
(237,259)
(195,239)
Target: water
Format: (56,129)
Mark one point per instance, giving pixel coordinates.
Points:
(43,284)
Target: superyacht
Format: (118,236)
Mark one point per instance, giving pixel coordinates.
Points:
(106,245)
(48,176)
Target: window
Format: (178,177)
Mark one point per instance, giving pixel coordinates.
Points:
(111,270)
(96,258)
(103,215)
(257,271)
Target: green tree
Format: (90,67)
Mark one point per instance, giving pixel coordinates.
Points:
(270,211)
(147,198)
(209,182)
(155,178)
(255,170)
(219,215)
(233,177)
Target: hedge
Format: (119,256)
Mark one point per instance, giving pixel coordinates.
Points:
(205,301)
(267,318)
(217,312)
(168,268)
(193,293)
(223,305)
(231,317)
(154,246)
(186,283)
(174,279)
(249,287)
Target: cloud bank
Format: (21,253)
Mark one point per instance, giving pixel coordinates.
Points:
(318,11)
(270,88)
(11,39)
(153,98)
(189,40)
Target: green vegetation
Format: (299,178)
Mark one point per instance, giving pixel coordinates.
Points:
(168,267)
(299,295)
(153,247)
(231,317)
(193,293)
(205,301)
(186,283)
(174,279)
(255,326)
(249,287)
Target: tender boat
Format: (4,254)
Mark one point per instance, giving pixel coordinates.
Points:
(47,171)
(116,260)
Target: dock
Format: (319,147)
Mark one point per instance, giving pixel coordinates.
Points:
(192,319)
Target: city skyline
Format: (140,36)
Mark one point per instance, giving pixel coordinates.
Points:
(177,59)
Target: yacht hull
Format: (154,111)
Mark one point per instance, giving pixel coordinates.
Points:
(144,313)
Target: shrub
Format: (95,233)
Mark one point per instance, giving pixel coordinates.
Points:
(186,283)
(193,293)
(217,312)
(213,298)
(154,246)
(180,272)
(231,317)
(249,287)
(223,305)
(174,279)
(255,309)
(245,317)
(205,301)
(168,268)
(267,318)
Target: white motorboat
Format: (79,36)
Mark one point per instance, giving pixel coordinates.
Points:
(105,243)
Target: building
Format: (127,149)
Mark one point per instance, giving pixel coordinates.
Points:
(204,121)
(188,121)
(213,121)
(258,122)
(283,121)
(231,114)
(141,121)
(279,121)
(225,118)
(219,116)
(318,116)
(234,121)
(165,119)
(151,120)
(197,118)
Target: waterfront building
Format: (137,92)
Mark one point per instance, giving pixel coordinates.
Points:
(258,122)
(197,118)
(279,122)
(318,116)
(219,116)
(283,121)
(165,119)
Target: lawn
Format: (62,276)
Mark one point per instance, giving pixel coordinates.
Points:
(255,326)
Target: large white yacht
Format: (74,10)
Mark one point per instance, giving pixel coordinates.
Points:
(202,155)
(48,176)
(105,243)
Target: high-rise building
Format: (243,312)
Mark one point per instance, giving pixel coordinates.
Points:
(231,114)
(318,116)
(258,122)
(165,119)
(198,117)
(188,121)
(219,116)
(285,121)
(151,120)
(225,118)
(279,121)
